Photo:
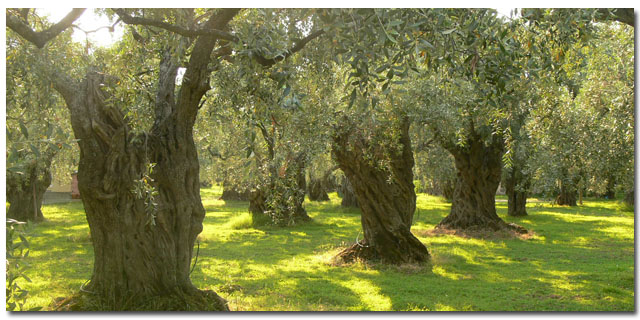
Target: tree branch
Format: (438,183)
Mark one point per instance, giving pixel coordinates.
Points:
(128,19)
(41,38)
(623,15)
(297,47)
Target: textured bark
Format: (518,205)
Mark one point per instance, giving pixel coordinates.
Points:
(234,193)
(317,191)
(25,192)
(516,186)
(349,198)
(568,192)
(630,198)
(387,198)
(319,188)
(447,189)
(567,197)
(142,251)
(478,175)
(610,192)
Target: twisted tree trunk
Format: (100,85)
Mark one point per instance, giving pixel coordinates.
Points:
(610,191)
(479,170)
(317,191)
(387,198)
(233,192)
(630,198)
(144,223)
(318,188)
(568,191)
(516,185)
(25,192)
(349,198)
(567,197)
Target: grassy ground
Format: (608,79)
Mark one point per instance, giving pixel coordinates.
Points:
(580,259)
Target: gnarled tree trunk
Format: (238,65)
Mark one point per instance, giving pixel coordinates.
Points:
(516,186)
(387,198)
(349,198)
(317,191)
(610,192)
(141,250)
(629,197)
(568,193)
(567,197)
(25,192)
(144,224)
(318,188)
(479,171)
(233,192)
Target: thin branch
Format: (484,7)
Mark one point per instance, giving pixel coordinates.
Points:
(297,47)
(623,15)
(41,38)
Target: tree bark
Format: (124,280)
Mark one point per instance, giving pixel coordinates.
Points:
(386,197)
(349,198)
(630,198)
(143,241)
(478,168)
(567,195)
(516,185)
(25,192)
(610,192)
(141,249)
(234,193)
(317,191)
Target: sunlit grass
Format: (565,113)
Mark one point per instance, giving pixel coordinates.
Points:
(579,259)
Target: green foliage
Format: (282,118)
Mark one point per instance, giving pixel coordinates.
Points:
(37,125)
(17,252)
(143,188)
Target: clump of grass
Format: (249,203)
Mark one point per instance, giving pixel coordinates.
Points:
(241,221)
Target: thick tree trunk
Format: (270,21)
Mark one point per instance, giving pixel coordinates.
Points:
(610,192)
(479,171)
(630,198)
(386,197)
(26,192)
(516,185)
(320,187)
(567,196)
(231,192)
(143,241)
(349,198)
(317,191)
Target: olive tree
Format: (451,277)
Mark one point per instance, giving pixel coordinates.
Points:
(142,183)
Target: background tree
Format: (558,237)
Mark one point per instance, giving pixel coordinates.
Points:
(434,165)
(37,129)
(607,99)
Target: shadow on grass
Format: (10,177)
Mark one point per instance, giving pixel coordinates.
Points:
(580,259)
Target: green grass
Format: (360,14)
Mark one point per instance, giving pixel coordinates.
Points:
(580,259)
